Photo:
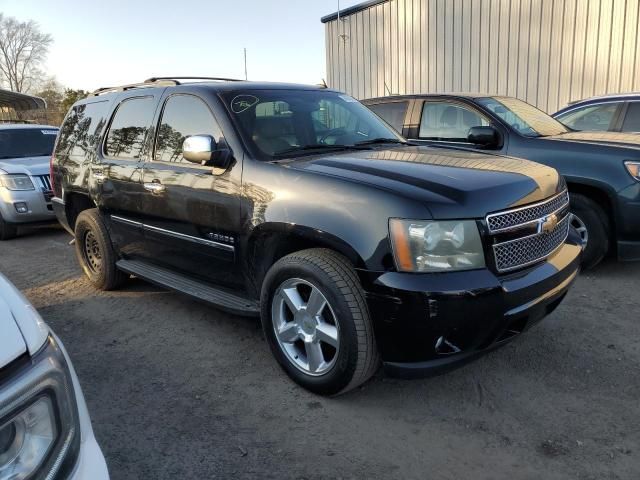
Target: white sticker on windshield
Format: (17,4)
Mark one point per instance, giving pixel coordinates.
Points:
(240,103)
(49,132)
(347,98)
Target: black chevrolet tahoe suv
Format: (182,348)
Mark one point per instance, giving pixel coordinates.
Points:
(602,169)
(300,205)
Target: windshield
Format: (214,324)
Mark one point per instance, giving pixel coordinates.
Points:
(522,117)
(27,142)
(287,123)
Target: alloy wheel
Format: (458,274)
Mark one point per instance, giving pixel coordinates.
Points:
(305,326)
(581,228)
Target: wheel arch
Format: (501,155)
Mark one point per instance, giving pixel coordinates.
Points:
(269,242)
(75,203)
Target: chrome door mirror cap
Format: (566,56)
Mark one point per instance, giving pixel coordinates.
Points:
(198,149)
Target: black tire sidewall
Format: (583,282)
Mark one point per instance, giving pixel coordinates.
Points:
(596,222)
(343,370)
(7,231)
(90,221)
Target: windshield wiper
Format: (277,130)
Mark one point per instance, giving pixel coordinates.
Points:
(316,146)
(374,141)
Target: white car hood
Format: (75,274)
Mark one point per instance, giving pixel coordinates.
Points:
(21,328)
(27,165)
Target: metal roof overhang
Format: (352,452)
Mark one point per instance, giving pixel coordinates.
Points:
(21,101)
(351,10)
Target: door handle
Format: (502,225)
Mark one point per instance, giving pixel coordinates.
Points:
(154,187)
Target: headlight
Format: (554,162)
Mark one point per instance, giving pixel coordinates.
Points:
(431,246)
(634,169)
(16,182)
(39,426)
(26,439)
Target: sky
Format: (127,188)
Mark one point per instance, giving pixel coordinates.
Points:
(104,43)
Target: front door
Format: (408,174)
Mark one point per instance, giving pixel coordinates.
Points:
(191,213)
(447,123)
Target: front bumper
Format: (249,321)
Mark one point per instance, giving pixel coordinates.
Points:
(426,324)
(39,207)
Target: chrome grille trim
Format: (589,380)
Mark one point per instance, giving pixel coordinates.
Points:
(528,250)
(45,182)
(518,217)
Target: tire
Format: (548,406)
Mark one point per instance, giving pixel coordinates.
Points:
(348,350)
(7,231)
(592,223)
(95,252)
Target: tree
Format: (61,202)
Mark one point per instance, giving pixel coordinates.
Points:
(70,97)
(23,50)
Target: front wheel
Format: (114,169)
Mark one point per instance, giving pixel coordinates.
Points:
(316,321)
(7,231)
(592,224)
(95,252)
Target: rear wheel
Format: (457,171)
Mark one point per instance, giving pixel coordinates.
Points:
(7,231)
(95,252)
(592,223)
(316,321)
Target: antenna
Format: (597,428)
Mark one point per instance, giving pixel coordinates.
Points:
(245,64)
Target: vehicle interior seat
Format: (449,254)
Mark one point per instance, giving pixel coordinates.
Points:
(269,136)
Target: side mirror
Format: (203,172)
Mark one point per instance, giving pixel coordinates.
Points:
(484,136)
(203,150)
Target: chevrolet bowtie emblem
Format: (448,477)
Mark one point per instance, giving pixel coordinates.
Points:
(548,224)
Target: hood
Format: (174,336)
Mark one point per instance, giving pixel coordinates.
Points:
(28,165)
(21,328)
(452,183)
(630,140)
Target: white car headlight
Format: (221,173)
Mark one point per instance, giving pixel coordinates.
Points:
(16,182)
(26,439)
(436,246)
(39,425)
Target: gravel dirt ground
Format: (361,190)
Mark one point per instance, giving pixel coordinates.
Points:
(177,389)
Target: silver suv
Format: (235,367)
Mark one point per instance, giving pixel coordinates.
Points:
(25,189)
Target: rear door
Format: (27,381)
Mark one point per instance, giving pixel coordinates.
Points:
(191,213)
(117,175)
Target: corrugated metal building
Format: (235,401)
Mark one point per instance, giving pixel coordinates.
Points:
(546,52)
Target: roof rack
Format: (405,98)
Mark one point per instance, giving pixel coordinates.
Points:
(156,82)
(219,79)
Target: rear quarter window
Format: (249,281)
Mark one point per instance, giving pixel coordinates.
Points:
(391,112)
(82,128)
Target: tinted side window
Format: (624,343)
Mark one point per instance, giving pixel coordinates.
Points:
(392,112)
(448,122)
(82,129)
(632,119)
(183,116)
(129,128)
(591,117)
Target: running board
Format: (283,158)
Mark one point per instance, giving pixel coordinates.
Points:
(166,278)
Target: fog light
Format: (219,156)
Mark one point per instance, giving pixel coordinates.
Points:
(21,207)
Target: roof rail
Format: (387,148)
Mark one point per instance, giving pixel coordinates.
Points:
(156,82)
(122,88)
(219,79)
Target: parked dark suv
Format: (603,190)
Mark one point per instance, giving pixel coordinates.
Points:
(298,204)
(602,169)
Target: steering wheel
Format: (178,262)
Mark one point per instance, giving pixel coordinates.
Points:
(334,132)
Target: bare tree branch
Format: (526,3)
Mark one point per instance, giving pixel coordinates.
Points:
(23,50)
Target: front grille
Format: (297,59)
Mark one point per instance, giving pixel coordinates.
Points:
(514,245)
(45,186)
(498,222)
(527,250)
